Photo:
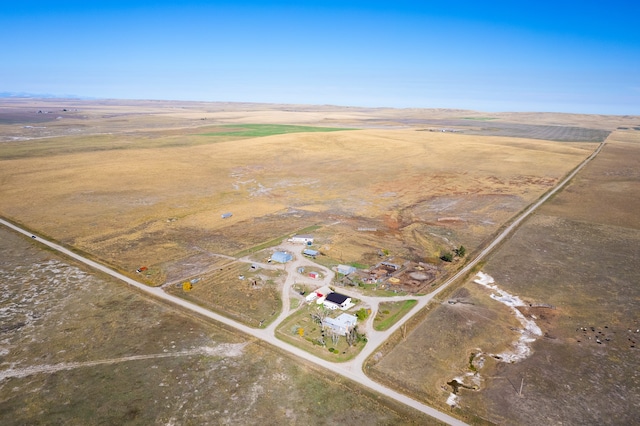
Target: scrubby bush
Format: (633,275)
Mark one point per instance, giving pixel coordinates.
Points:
(447,256)
(362,314)
(460,251)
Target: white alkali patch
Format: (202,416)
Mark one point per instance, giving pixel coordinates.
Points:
(530,330)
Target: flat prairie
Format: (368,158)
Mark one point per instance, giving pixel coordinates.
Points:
(146,183)
(574,266)
(150,194)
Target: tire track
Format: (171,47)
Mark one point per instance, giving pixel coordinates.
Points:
(224,350)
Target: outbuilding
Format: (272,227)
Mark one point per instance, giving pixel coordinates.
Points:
(312,296)
(302,238)
(310,253)
(390,266)
(345,269)
(281,257)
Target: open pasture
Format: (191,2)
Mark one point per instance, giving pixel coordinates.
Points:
(159,202)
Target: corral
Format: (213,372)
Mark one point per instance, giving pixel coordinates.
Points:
(236,289)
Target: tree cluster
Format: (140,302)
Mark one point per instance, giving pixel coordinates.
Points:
(457,252)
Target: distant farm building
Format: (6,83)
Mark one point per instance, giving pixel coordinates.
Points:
(345,269)
(302,238)
(281,257)
(340,325)
(310,253)
(314,275)
(336,300)
(226,215)
(390,266)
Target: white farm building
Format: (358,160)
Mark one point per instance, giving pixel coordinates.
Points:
(336,300)
(302,239)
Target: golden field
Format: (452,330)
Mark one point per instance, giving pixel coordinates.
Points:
(152,194)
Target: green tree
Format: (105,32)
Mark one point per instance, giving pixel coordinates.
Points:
(447,256)
(362,314)
(461,251)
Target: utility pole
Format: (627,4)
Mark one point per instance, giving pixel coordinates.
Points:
(521,384)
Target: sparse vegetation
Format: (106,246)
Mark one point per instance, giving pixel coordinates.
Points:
(391,312)
(261,130)
(447,256)
(460,251)
(591,219)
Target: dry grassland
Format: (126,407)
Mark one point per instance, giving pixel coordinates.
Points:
(157,206)
(579,255)
(249,296)
(139,183)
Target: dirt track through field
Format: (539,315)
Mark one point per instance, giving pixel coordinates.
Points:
(226,350)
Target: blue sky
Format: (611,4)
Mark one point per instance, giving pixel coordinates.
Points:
(490,56)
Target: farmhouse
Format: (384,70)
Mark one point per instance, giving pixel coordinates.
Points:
(334,301)
(302,238)
(340,325)
(281,257)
